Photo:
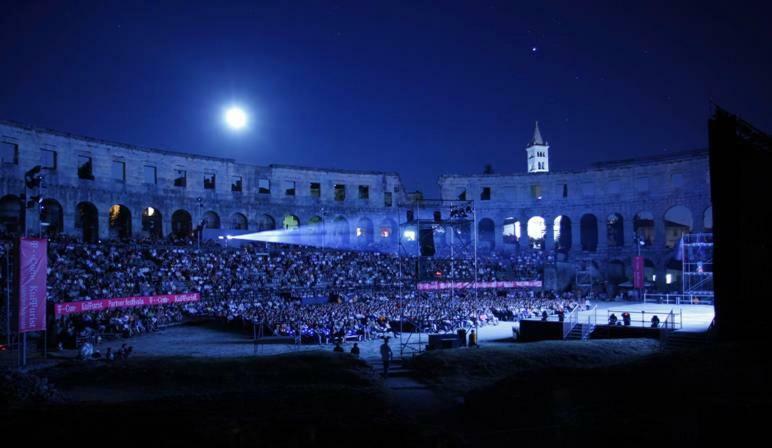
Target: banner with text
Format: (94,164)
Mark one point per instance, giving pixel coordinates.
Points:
(433,286)
(88,306)
(33,267)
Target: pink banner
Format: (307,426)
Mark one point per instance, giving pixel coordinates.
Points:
(432,286)
(638,272)
(88,306)
(33,268)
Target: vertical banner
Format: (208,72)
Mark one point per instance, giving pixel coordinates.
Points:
(638,272)
(33,267)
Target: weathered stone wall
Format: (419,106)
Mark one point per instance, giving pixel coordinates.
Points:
(626,188)
(64,185)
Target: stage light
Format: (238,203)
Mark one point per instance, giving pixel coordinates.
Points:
(150,211)
(409,235)
(236,118)
(668,278)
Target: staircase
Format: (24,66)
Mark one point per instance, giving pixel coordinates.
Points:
(580,332)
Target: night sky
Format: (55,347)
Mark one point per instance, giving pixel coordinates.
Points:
(423,89)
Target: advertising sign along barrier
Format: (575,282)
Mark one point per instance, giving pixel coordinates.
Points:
(432,286)
(87,306)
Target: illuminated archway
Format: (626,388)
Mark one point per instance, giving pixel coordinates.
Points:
(119,223)
(537,229)
(561,233)
(152,222)
(643,224)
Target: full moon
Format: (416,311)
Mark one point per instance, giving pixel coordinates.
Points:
(235,118)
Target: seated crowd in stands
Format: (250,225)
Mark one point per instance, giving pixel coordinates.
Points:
(241,284)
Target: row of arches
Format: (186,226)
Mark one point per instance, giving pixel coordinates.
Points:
(677,221)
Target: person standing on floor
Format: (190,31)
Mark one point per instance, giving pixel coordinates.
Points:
(386,355)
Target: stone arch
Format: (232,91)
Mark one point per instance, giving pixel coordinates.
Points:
(561,233)
(588,232)
(87,221)
(182,223)
(316,225)
(707,219)
(340,231)
(486,234)
(290,222)
(51,217)
(387,231)
(11,214)
(119,221)
(239,221)
(265,222)
(152,222)
(615,230)
(649,271)
(678,221)
(537,229)
(643,225)
(211,220)
(364,230)
(511,231)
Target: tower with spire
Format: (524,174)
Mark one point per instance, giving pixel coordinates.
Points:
(538,153)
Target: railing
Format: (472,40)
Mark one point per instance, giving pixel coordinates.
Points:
(679,298)
(673,320)
(592,320)
(570,321)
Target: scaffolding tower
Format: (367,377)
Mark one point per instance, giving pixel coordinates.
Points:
(697,258)
(452,224)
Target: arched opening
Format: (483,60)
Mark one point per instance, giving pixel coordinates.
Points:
(678,220)
(486,235)
(211,220)
(615,272)
(87,221)
(340,231)
(11,214)
(707,219)
(673,272)
(536,230)
(316,224)
(561,233)
(119,224)
(510,231)
(238,221)
(182,224)
(616,230)
(364,231)
(291,222)
(588,227)
(51,217)
(152,222)
(265,222)
(643,224)
(387,230)
(649,271)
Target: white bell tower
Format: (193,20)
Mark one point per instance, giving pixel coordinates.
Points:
(538,153)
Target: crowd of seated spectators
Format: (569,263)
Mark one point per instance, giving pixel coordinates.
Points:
(264,283)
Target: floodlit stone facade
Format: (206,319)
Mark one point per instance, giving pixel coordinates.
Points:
(163,192)
(99,189)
